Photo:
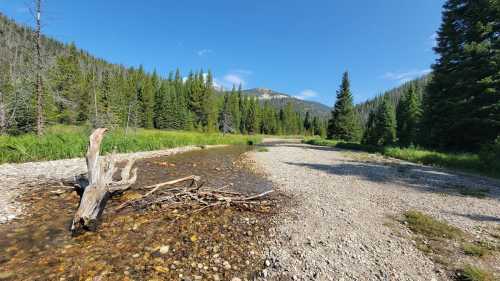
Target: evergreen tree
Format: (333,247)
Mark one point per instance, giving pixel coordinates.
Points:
(384,125)
(225,119)
(234,105)
(252,120)
(209,105)
(66,81)
(148,93)
(316,126)
(344,124)
(308,124)
(370,135)
(462,107)
(408,115)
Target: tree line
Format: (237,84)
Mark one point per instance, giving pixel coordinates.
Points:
(79,89)
(457,107)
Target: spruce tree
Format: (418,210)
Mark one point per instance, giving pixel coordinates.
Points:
(462,106)
(370,135)
(234,105)
(385,124)
(344,124)
(408,115)
(225,118)
(308,124)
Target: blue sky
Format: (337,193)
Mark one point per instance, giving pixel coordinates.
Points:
(296,47)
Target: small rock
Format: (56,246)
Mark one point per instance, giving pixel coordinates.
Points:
(236,279)
(6,275)
(226,265)
(164,249)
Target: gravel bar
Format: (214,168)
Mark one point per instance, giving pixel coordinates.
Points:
(338,226)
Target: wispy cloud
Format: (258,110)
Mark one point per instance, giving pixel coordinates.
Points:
(204,52)
(403,77)
(233,78)
(306,94)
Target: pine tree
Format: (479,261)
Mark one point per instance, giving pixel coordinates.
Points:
(344,124)
(252,120)
(408,115)
(462,107)
(209,104)
(225,118)
(370,135)
(307,124)
(65,79)
(148,93)
(234,104)
(385,124)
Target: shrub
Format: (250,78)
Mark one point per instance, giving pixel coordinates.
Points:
(474,273)
(490,156)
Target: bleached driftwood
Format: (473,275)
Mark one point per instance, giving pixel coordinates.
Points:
(99,184)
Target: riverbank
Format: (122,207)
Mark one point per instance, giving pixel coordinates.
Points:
(65,142)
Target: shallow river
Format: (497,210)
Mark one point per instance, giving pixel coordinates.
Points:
(153,244)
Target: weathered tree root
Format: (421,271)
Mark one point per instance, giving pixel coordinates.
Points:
(99,184)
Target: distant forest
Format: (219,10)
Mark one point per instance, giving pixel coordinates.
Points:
(456,107)
(79,88)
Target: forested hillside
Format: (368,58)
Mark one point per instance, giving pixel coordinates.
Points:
(280,100)
(457,107)
(393,96)
(81,89)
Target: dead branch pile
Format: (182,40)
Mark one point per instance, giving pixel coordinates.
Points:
(195,196)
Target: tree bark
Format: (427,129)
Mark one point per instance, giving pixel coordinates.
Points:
(3,118)
(100,184)
(39,80)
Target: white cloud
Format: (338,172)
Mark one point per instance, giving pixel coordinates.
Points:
(234,79)
(306,94)
(403,77)
(204,52)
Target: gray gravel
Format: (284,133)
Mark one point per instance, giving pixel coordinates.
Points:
(15,178)
(339,227)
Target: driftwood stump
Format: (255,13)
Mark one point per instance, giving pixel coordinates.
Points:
(99,184)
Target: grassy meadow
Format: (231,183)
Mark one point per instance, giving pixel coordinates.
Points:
(61,142)
(467,162)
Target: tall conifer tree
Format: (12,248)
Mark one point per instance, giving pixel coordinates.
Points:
(462,107)
(344,124)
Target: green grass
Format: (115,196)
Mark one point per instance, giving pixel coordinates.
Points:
(475,249)
(61,142)
(429,227)
(262,149)
(468,162)
(474,273)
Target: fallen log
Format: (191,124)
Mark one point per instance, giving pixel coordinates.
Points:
(99,184)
